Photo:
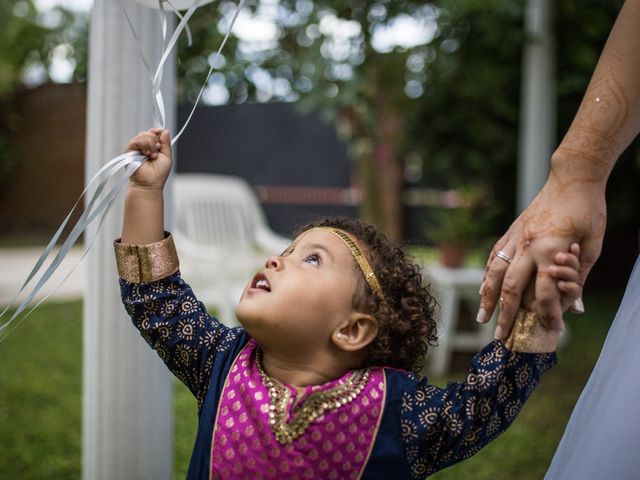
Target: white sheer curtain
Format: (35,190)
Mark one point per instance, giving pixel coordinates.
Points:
(602,439)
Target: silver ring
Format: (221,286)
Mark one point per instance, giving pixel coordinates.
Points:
(503,256)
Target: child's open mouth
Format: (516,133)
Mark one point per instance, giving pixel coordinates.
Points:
(261,282)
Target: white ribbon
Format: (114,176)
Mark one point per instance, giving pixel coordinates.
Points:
(113,176)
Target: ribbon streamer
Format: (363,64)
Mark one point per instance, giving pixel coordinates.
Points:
(113,176)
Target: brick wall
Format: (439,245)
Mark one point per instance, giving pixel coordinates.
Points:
(49,176)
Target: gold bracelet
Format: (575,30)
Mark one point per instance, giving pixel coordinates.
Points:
(529,334)
(146,263)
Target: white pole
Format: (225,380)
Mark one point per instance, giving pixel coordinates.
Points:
(127,415)
(538,101)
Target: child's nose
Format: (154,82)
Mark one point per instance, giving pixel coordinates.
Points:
(274,262)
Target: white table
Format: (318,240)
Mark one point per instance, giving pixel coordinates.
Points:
(451,287)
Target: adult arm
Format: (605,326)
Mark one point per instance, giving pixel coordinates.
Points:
(571,205)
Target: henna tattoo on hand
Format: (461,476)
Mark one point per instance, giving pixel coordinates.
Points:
(539,224)
(593,143)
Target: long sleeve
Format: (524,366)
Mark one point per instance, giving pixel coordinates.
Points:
(168,315)
(442,426)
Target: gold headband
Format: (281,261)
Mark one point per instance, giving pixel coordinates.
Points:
(363,263)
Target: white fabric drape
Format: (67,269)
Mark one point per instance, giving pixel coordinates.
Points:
(602,438)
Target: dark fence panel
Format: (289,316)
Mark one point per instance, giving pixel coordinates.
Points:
(271,145)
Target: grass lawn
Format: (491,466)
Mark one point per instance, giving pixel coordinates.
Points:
(40,402)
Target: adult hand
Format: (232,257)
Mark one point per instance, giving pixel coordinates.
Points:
(565,211)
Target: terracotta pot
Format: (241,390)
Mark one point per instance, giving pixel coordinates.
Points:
(452,256)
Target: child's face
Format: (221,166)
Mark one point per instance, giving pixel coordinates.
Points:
(303,295)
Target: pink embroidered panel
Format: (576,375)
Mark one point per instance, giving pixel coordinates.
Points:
(335,446)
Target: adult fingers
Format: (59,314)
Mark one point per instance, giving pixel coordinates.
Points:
(577,306)
(492,282)
(571,291)
(589,253)
(515,281)
(548,299)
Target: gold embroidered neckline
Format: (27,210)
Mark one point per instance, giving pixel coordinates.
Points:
(312,408)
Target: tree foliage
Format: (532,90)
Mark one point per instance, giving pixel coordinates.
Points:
(448,107)
(332,56)
(443,110)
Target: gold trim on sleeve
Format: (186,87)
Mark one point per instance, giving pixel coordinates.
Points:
(146,263)
(530,335)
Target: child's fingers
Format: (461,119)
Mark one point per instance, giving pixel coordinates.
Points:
(563,273)
(570,258)
(164,138)
(575,249)
(146,143)
(567,259)
(142,142)
(164,142)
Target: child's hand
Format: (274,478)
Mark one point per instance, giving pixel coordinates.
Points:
(565,272)
(155,144)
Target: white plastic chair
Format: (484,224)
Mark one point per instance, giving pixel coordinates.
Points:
(452,286)
(222,238)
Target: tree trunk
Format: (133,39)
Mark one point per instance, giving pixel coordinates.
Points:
(379,173)
(353,127)
(390,171)
(389,194)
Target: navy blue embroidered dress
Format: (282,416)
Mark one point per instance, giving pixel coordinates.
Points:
(420,429)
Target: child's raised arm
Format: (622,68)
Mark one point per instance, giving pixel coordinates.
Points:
(161,305)
(143,221)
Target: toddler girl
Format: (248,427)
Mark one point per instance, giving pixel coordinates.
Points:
(322,380)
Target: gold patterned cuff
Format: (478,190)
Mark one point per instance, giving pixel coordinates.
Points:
(530,335)
(146,263)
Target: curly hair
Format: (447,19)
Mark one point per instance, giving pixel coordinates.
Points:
(406,323)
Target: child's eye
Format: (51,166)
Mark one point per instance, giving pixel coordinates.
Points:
(313,259)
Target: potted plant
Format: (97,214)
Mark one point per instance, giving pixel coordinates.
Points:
(457,229)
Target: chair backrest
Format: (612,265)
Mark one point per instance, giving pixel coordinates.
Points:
(216,210)
(222,237)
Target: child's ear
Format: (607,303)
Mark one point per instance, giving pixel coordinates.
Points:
(356,333)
